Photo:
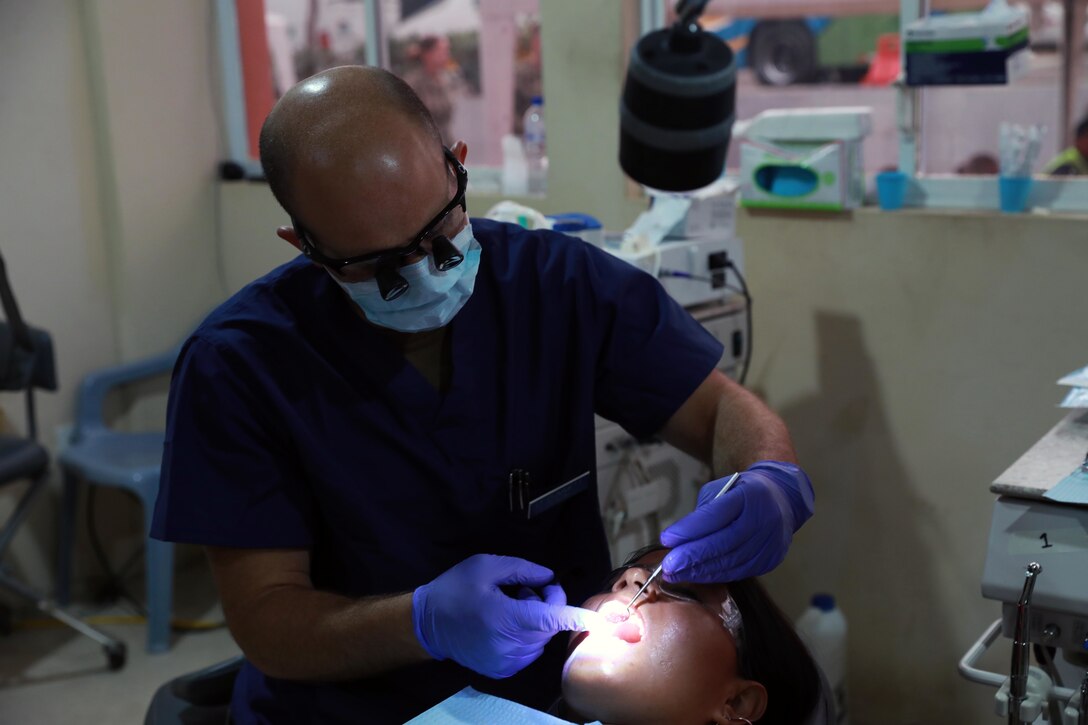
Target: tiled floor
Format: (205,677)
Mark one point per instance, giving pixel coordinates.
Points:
(50,676)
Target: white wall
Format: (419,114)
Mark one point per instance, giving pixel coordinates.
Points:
(153,63)
(913,356)
(52,240)
(108,146)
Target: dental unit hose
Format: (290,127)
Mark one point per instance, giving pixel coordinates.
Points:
(1021,646)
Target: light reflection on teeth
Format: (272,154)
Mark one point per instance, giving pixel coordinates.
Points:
(619,624)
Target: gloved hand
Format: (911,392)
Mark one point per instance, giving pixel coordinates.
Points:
(464,616)
(745,532)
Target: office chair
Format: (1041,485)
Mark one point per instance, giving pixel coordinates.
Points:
(99,455)
(198,698)
(203,698)
(26,363)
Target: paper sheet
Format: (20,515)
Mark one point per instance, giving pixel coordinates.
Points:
(1075,398)
(469,707)
(1072,489)
(1076,379)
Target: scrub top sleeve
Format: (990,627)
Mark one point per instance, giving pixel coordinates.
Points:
(228,477)
(652,354)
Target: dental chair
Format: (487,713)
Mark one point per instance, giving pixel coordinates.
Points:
(26,363)
(198,698)
(203,698)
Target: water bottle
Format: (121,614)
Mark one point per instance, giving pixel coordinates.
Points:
(515,173)
(823,629)
(535,141)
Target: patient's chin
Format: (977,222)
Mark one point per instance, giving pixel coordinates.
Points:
(598,680)
(594,702)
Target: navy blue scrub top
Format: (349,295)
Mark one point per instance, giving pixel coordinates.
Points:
(293,423)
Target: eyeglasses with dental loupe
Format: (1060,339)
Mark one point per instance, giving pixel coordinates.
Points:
(385,263)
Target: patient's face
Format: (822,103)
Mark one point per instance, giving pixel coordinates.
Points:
(673,661)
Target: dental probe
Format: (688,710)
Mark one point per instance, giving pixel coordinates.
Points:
(728,485)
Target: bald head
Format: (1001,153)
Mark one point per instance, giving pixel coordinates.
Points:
(348,120)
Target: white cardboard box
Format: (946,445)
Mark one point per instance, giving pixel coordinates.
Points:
(805,159)
(713,212)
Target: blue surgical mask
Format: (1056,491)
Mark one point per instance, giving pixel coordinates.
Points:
(433,297)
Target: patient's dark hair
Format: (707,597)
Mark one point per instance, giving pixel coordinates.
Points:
(771,653)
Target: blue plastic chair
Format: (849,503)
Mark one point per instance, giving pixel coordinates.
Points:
(99,455)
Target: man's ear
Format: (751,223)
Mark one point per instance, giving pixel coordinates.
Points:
(460,150)
(745,699)
(288,235)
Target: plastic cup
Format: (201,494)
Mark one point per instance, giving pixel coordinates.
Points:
(891,189)
(1014,193)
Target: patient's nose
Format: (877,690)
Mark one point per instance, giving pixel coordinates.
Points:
(632,580)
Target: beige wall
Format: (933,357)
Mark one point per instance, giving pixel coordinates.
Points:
(914,357)
(108,139)
(156,103)
(57,256)
(52,240)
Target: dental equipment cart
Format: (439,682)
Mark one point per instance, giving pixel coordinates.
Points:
(1037,567)
(644,486)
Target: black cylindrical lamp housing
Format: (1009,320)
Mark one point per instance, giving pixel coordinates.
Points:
(678,108)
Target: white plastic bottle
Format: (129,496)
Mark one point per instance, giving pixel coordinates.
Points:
(535,142)
(515,173)
(823,629)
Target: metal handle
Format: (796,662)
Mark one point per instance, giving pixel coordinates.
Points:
(1021,646)
(995,679)
(1082,716)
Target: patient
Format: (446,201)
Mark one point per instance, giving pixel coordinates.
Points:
(688,653)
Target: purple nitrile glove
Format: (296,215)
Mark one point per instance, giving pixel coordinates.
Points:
(463,615)
(745,532)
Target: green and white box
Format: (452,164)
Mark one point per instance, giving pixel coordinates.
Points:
(984,48)
(805,158)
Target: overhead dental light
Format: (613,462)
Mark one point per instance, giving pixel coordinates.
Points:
(678,106)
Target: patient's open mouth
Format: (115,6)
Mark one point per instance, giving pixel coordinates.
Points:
(628,631)
(616,613)
(624,625)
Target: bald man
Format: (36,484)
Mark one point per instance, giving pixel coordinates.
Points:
(387,444)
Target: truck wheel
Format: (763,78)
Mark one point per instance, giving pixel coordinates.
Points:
(782,52)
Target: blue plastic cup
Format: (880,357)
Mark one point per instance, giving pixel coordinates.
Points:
(1014,193)
(891,189)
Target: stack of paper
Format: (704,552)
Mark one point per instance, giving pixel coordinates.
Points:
(1077,381)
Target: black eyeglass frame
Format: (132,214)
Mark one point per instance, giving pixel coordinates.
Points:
(669,590)
(310,251)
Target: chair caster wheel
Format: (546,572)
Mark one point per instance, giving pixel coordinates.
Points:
(115,653)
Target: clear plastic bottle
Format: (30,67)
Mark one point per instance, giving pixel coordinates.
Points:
(535,142)
(823,628)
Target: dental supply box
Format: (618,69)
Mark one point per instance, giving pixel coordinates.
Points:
(713,212)
(805,158)
(984,48)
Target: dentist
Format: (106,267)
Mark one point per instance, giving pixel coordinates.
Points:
(387,445)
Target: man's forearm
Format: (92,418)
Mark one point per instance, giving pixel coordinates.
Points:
(298,633)
(747,431)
